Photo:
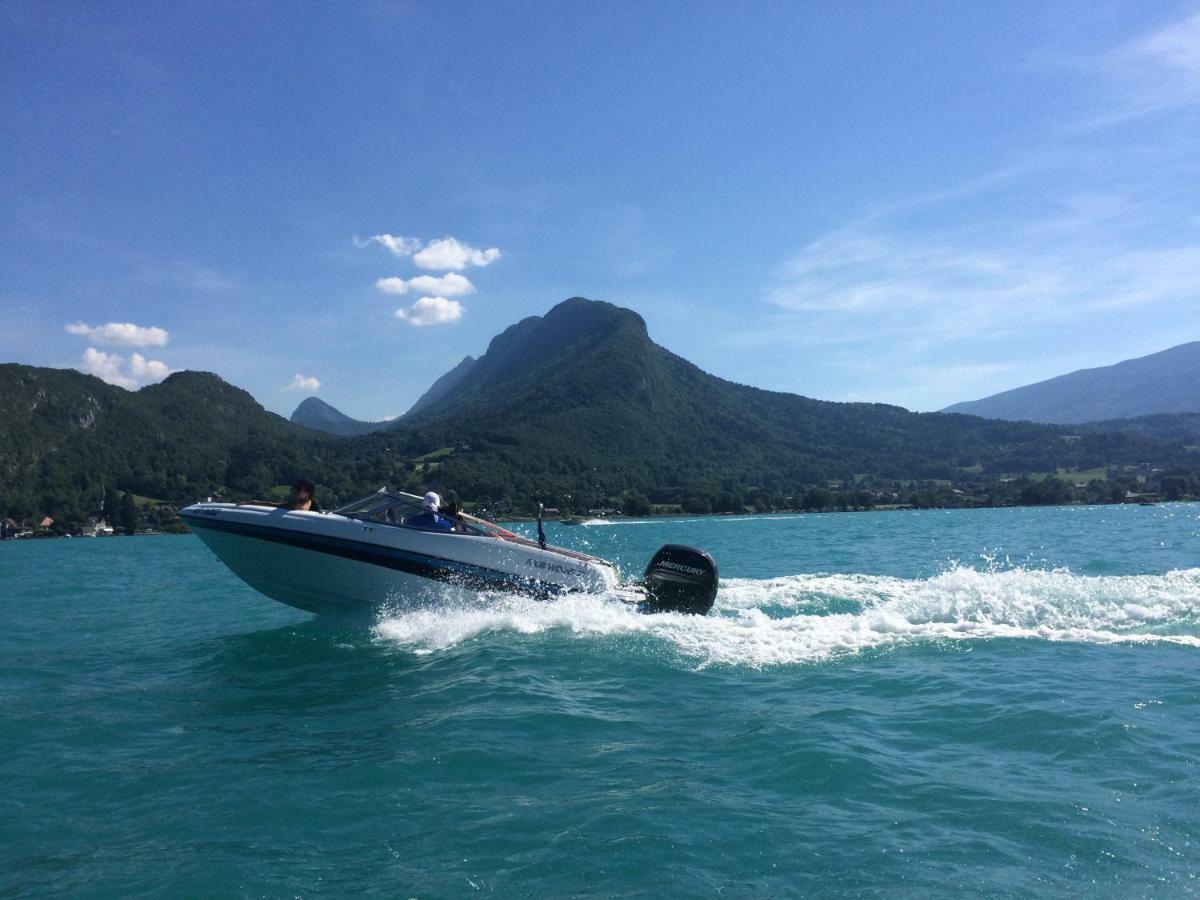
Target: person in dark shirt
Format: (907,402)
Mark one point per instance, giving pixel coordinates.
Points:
(303,497)
(428,518)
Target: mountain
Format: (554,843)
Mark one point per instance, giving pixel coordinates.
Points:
(582,401)
(318,415)
(444,386)
(1164,382)
(572,408)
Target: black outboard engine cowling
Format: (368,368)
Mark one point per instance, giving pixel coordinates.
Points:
(680,579)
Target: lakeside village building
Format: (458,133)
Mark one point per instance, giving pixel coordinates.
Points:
(11,529)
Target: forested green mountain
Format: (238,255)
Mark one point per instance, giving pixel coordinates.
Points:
(1183,427)
(64,436)
(582,401)
(575,408)
(1164,382)
(318,415)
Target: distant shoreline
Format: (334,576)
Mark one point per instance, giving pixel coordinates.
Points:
(666,517)
(893,507)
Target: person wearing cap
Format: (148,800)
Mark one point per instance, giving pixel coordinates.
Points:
(428,517)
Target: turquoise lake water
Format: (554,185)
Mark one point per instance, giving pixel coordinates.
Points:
(917,704)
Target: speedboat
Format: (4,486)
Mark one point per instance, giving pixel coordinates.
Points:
(364,556)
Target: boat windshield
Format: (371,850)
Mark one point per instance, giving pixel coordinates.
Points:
(393,509)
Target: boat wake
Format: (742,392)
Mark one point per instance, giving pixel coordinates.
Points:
(816,618)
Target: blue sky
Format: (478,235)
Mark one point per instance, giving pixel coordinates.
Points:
(910,203)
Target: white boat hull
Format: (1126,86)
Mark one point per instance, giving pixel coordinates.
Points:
(326,563)
(290,575)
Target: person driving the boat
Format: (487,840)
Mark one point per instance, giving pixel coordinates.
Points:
(428,517)
(303,497)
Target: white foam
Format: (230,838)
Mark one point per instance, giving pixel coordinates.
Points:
(815,618)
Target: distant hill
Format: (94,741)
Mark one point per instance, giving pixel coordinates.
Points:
(318,415)
(1182,427)
(65,435)
(573,407)
(1165,382)
(444,386)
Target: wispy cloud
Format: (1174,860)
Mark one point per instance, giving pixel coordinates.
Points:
(1161,70)
(124,334)
(1092,239)
(431,311)
(130,373)
(305,383)
(964,286)
(1156,72)
(187,276)
(449,285)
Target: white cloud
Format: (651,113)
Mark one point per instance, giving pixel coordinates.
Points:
(129,373)
(391,285)
(308,384)
(448,285)
(442,254)
(106,367)
(124,334)
(147,370)
(396,245)
(431,311)
(449,253)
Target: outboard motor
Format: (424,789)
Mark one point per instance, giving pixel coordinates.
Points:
(680,579)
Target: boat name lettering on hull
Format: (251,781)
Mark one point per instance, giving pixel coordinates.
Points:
(549,566)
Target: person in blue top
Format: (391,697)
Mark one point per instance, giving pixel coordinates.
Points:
(428,517)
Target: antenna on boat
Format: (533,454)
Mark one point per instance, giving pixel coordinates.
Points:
(541,531)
